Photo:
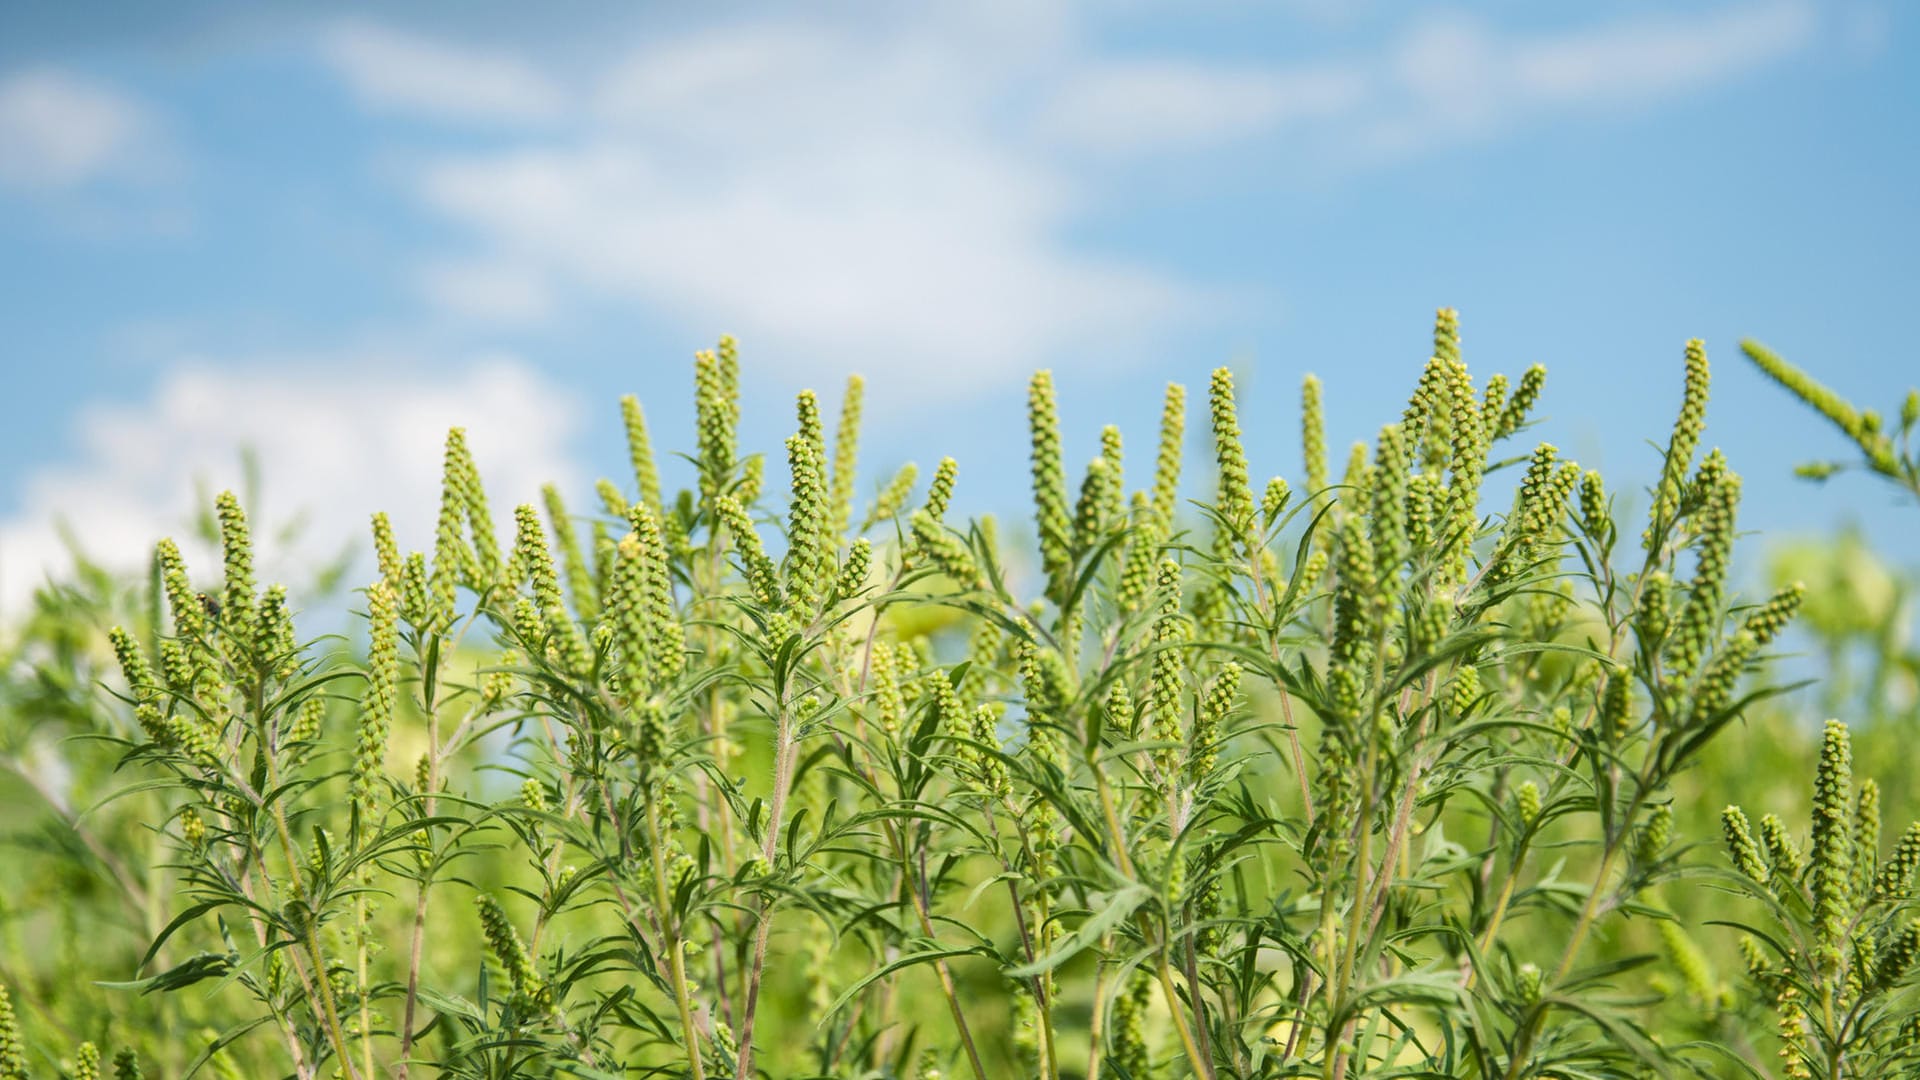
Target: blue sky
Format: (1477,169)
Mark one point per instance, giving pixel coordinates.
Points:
(328,232)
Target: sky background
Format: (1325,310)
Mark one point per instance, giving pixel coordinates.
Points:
(327,232)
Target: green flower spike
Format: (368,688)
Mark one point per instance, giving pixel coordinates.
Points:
(1050,487)
(809,562)
(236,552)
(1166,466)
(1233,500)
(586,598)
(386,553)
(1741,847)
(1833,854)
(1681,445)
(846,453)
(646,475)
(378,701)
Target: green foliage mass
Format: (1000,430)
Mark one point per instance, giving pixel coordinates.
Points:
(1370,782)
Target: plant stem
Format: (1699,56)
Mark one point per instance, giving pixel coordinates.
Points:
(670,938)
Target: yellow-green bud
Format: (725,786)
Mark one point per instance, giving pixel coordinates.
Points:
(1050,487)
(378,701)
(646,475)
(846,452)
(1166,467)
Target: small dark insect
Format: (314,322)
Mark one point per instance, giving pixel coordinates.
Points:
(212,605)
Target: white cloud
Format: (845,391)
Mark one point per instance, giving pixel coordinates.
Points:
(496,290)
(58,130)
(1453,79)
(910,189)
(335,440)
(403,73)
(1165,105)
(833,198)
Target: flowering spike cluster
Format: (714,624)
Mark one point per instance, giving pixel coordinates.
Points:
(1131,1008)
(586,599)
(941,490)
(1234,500)
(486,567)
(1215,706)
(13,1053)
(1766,622)
(807,411)
(1425,419)
(809,561)
(1681,445)
(507,947)
(1096,496)
(1741,847)
(1833,845)
(894,496)
(1537,509)
(126,1066)
(1493,399)
(1163,692)
(1356,476)
(614,503)
(666,639)
(236,553)
(946,551)
(1273,501)
(273,638)
(716,411)
(846,453)
(761,575)
(1866,839)
(1356,619)
(133,664)
(1446,334)
(1513,416)
(889,703)
(386,552)
(1050,487)
(1387,496)
(1595,518)
(1041,682)
(416,595)
(1788,861)
(1656,834)
(1466,464)
(189,615)
(853,573)
(646,475)
(531,554)
(86,1065)
(1862,428)
(1706,593)
(1143,555)
(1166,464)
(379,701)
(1896,874)
(1112,453)
(452,558)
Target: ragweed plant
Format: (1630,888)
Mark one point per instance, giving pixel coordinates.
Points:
(795,774)
(1890,454)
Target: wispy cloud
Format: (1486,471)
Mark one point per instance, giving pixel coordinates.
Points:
(58,130)
(911,188)
(336,439)
(1454,79)
(1154,106)
(829,194)
(409,74)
